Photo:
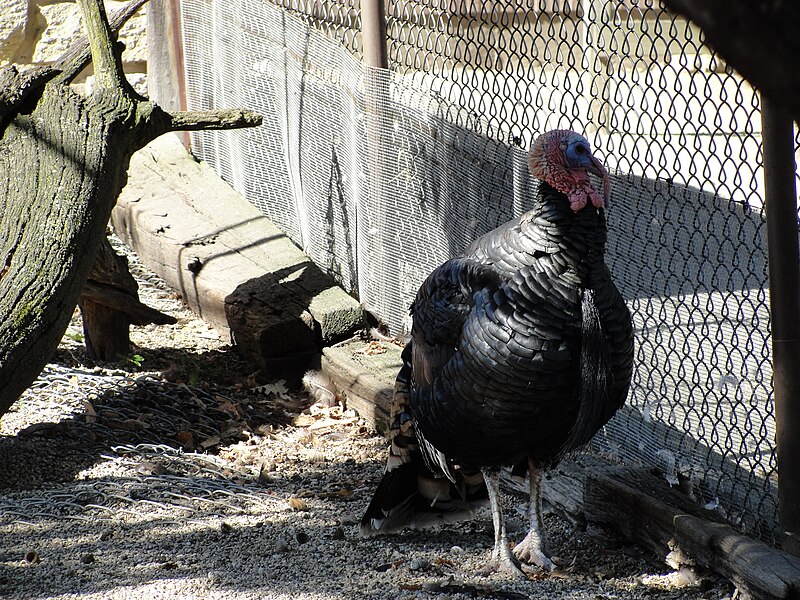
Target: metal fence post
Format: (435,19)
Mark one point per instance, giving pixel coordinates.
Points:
(373,33)
(371,248)
(784,285)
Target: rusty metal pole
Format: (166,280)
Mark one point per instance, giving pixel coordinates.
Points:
(784,286)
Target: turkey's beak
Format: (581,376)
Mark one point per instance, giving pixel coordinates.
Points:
(598,169)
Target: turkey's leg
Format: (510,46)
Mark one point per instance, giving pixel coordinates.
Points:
(531,549)
(501,553)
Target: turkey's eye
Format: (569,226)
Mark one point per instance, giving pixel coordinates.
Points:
(581,149)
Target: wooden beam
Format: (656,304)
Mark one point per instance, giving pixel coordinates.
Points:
(645,510)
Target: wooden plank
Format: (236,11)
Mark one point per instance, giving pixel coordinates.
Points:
(229,263)
(751,565)
(562,489)
(645,510)
(367,383)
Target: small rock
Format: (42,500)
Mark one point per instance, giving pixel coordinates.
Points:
(418,564)
(338,534)
(225,527)
(435,586)
(301,537)
(32,557)
(456,550)
(214,576)
(106,535)
(282,545)
(348,520)
(87,559)
(150,468)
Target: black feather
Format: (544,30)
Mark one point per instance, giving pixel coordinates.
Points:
(520,349)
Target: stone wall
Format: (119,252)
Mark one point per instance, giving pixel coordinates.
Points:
(37,32)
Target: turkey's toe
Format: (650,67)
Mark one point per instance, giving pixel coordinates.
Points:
(507,565)
(503,561)
(532,553)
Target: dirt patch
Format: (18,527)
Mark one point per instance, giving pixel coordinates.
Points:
(177,473)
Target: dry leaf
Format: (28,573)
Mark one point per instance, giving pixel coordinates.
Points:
(91,414)
(230,408)
(331,423)
(372,348)
(443,562)
(303,420)
(297,504)
(210,442)
(186,439)
(274,389)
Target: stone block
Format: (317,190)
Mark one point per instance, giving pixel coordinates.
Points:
(13,22)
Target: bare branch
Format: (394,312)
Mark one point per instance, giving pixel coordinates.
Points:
(232,118)
(107,64)
(16,86)
(77,56)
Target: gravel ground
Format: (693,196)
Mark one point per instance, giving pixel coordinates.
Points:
(174,474)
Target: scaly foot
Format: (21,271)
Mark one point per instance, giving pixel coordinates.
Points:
(530,551)
(503,561)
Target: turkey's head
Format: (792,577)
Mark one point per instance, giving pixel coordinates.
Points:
(564,159)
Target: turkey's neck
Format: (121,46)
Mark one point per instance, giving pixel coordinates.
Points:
(573,240)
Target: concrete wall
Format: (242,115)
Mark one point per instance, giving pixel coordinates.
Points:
(37,32)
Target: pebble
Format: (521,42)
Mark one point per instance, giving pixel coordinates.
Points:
(214,577)
(418,564)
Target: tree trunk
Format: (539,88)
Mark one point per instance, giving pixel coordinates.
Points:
(110,303)
(65,159)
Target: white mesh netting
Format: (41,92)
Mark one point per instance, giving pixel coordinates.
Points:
(381,175)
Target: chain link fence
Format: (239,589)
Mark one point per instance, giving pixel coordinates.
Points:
(380,175)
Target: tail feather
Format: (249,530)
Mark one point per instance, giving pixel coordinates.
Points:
(409,495)
(408,499)
(593,390)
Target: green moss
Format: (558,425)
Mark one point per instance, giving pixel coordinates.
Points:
(26,315)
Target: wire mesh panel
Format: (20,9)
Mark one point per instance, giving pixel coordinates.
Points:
(382,175)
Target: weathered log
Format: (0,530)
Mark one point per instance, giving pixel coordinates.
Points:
(765,572)
(65,158)
(110,303)
(648,512)
(367,386)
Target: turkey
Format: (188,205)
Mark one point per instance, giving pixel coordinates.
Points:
(521,350)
